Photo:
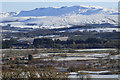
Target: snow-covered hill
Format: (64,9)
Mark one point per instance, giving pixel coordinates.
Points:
(60,17)
(58,11)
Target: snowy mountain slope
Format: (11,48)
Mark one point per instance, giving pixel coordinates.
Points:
(54,17)
(53,11)
(61,21)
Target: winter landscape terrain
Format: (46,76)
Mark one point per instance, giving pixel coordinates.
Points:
(70,42)
(60,17)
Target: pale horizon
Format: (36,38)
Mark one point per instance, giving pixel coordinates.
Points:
(25,6)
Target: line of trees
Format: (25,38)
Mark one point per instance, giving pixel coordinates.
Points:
(88,43)
(70,43)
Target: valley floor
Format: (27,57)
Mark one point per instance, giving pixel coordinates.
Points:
(65,63)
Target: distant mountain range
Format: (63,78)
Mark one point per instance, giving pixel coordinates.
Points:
(58,17)
(58,11)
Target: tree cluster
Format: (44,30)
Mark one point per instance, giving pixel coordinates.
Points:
(88,43)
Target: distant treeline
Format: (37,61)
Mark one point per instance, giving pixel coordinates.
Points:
(70,43)
(88,43)
(45,32)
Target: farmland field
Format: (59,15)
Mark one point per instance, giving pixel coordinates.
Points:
(73,63)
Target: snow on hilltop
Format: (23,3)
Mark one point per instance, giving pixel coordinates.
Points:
(58,11)
(60,17)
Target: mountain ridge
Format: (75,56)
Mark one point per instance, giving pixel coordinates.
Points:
(60,17)
(65,10)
